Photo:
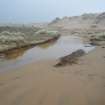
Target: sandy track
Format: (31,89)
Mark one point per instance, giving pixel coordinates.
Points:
(42,84)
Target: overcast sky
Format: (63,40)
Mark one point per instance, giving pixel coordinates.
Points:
(26,11)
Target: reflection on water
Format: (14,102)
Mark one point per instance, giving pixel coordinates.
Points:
(14,54)
(46,45)
(53,50)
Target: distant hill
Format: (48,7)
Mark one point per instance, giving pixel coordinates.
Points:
(85,21)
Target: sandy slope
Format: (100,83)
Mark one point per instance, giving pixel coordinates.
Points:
(42,84)
(84,22)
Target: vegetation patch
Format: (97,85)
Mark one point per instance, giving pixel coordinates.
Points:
(97,40)
(16,37)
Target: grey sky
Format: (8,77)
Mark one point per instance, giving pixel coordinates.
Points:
(26,11)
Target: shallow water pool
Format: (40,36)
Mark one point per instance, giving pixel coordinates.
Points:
(53,50)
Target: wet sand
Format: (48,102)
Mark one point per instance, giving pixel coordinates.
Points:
(42,84)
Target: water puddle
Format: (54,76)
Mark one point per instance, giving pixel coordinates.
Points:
(53,50)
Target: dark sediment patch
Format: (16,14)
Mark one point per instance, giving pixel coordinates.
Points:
(70,59)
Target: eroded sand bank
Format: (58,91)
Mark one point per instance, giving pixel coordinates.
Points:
(42,84)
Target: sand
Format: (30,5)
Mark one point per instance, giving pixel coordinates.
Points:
(42,84)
